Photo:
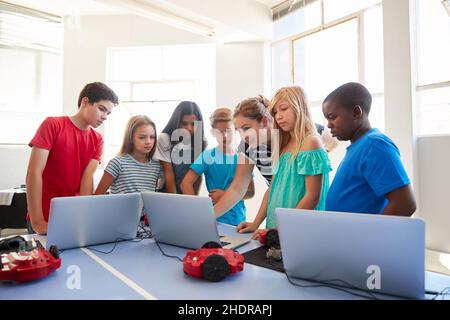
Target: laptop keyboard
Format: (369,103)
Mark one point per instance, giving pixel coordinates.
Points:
(224,243)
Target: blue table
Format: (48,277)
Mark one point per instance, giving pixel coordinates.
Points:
(138,270)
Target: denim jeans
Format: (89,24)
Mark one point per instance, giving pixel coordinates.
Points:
(30,228)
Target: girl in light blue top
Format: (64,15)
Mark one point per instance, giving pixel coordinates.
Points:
(301,171)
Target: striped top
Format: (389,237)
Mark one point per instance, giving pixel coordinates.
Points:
(131,175)
(261,157)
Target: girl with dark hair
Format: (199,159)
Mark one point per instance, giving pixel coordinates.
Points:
(179,144)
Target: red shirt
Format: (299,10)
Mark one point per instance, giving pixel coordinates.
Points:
(71,149)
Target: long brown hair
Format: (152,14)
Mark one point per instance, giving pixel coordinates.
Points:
(304,125)
(132,125)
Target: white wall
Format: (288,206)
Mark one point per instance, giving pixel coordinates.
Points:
(233,19)
(13,165)
(240,72)
(85,47)
(434,177)
(239,68)
(399,80)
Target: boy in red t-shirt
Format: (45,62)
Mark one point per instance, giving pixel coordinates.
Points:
(65,153)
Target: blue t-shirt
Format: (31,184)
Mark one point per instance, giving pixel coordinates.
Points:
(219,170)
(370,170)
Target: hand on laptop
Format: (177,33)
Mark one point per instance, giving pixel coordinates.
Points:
(216,194)
(257,233)
(245,227)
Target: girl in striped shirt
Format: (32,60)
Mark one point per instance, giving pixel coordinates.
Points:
(133,169)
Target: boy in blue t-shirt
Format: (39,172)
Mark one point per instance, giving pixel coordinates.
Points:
(371,177)
(219,166)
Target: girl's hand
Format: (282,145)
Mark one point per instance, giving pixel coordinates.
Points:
(216,194)
(245,227)
(257,233)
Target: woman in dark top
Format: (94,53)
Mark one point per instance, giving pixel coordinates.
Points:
(179,144)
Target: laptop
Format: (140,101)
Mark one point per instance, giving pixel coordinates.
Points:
(185,221)
(90,220)
(375,253)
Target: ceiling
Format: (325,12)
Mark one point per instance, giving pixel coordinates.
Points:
(68,7)
(92,7)
(270,3)
(231,20)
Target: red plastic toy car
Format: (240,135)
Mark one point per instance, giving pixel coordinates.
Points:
(23,266)
(212,262)
(269,238)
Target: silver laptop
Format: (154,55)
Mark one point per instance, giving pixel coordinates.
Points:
(375,253)
(184,221)
(89,220)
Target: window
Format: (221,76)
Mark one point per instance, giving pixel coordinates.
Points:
(298,21)
(281,75)
(153,80)
(30,77)
(326,59)
(348,46)
(335,9)
(433,69)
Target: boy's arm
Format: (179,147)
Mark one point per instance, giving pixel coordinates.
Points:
(250,190)
(87,180)
(313,186)
(401,202)
(104,183)
(169,177)
(189,180)
(393,182)
(36,165)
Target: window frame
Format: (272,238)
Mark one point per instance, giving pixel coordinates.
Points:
(426,86)
(359,16)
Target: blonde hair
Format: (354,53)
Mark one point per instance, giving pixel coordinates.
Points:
(304,125)
(253,108)
(132,125)
(220,115)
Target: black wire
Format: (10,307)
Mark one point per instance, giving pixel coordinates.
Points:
(107,252)
(336,287)
(443,293)
(165,254)
(141,235)
(148,235)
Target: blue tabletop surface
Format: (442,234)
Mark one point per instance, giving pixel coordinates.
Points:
(138,270)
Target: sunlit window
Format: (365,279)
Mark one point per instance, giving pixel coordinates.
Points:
(343,50)
(433,34)
(298,21)
(30,71)
(153,80)
(433,69)
(326,59)
(281,75)
(335,9)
